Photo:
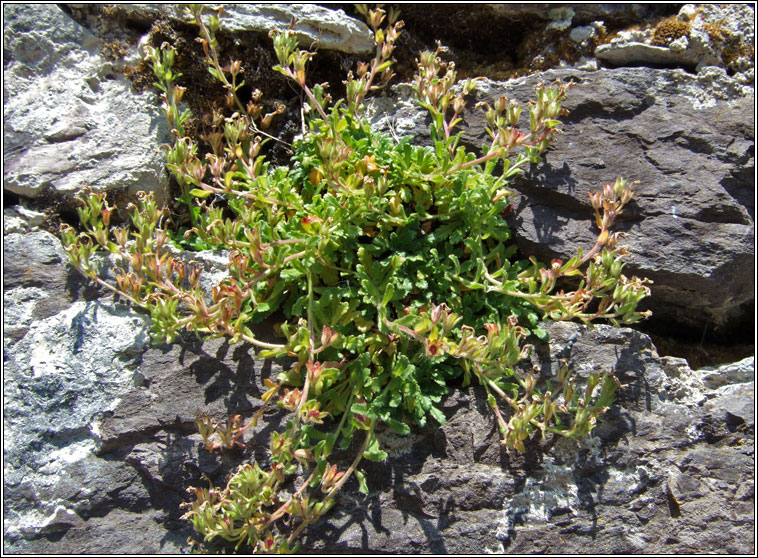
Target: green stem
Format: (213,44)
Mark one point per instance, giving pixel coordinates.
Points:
(337,486)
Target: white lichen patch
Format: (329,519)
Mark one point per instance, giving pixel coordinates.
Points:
(705,90)
(398,115)
(396,444)
(67,455)
(19,306)
(628,479)
(693,433)
(555,489)
(693,388)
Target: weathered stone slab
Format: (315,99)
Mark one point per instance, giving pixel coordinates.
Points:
(70,120)
(315,26)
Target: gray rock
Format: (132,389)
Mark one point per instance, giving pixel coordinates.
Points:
(99,436)
(583,33)
(578,14)
(687,139)
(35,282)
(315,26)
(21,219)
(716,35)
(87,468)
(70,120)
(654,457)
(738,372)
(735,405)
(63,373)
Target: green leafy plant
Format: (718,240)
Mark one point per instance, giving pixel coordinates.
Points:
(389,266)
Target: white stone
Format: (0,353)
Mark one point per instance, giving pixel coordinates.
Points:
(582,33)
(21,219)
(587,64)
(316,27)
(69,120)
(560,18)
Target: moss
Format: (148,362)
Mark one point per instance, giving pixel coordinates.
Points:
(732,52)
(114,50)
(732,48)
(716,31)
(669,30)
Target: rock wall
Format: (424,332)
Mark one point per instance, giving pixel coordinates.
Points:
(98,426)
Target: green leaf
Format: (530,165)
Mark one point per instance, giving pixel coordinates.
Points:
(384,66)
(359,409)
(198,193)
(399,427)
(388,293)
(362,486)
(438,415)
(373,453)
(541,334)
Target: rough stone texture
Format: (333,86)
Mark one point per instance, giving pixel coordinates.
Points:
(99,436)
(661,474)
(315,26)
(688,140)
(65,363)
(575,13)
(20,219)
(716,35)
(100,443)
(69,118)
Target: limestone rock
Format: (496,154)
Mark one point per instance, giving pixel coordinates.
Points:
(700,35)
(315,26)
(70,120)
